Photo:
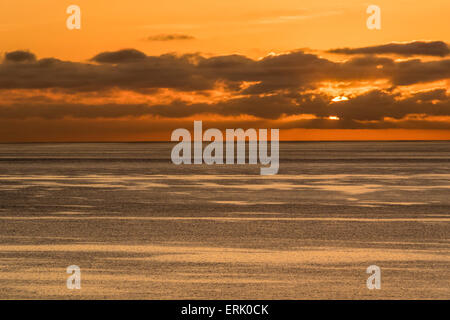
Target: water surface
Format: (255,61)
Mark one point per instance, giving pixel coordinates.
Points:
(140,227)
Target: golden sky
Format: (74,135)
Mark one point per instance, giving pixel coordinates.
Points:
(246,63)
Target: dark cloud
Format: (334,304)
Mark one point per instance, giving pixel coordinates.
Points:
(430,95)
(270,107)
(133,70)
(19,56)
(432,48)
(125,69)
(422,124)
(121,56)
(417,71)
(30,130)
(268,89)
(377,105)
(290,71)
(363,111)
(170,37)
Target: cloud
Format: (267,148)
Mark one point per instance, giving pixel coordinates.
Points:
(130,69)
(170,37)
(370,107)
(19,56)
(416,71)
(121,56)
(432,48)
(268,89)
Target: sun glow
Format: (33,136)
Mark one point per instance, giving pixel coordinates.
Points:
(339,98)
(333,118)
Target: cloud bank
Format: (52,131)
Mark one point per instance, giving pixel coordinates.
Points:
(291,90)
(433,48)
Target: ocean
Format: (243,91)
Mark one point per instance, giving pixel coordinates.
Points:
(140,227)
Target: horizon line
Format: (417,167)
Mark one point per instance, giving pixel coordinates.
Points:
(281,141)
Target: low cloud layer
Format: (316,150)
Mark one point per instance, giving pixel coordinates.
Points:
(131,69)
(433,48)
(170,37)
(20,56)
(288,89)
(362,111)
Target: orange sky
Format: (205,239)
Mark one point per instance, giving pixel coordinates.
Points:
(250,28)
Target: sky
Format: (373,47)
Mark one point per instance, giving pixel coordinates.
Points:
(138,69)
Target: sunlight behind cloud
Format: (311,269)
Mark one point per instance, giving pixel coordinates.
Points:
(339,98)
